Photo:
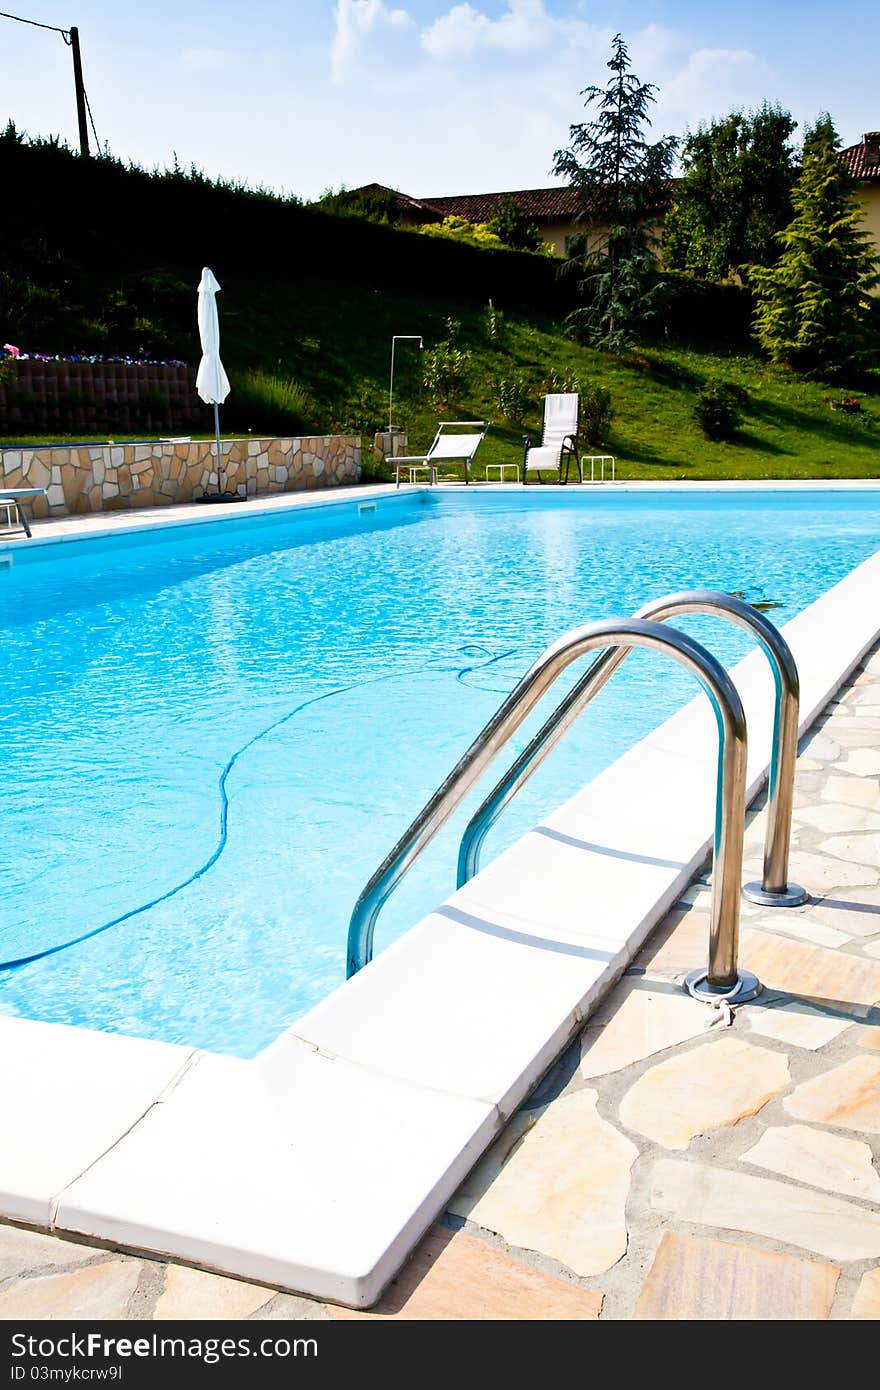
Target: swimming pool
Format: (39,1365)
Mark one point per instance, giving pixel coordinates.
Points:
(212,734)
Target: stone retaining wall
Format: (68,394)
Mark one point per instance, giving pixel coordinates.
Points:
(108,477)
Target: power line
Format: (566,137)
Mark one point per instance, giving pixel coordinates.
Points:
(92,120)
(71,38)
(35,23)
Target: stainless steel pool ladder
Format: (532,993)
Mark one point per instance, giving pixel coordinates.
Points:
(774,890)
(721,978)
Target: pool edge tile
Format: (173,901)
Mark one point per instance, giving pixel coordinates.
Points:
(323,1186)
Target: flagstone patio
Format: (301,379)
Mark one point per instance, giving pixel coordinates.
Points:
(669,1166)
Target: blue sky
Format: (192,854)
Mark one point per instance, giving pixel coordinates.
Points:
(432,96)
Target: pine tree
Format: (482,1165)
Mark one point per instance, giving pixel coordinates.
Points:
(813,308)
(623,182)
(734,194)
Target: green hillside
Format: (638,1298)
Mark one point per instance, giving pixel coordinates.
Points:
(102,258)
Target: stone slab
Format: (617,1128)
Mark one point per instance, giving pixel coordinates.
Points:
(194,1293)
(821,874)
(96,1291)
(834,818)
(678,945)
(732,1201)
(697,1278)
(818,1158)
(635,1022)
(796,1023)
(556,1183)
(863,762)
(704,1089)
(866,1304)
(811,972)
(463,1278)
(855,910)
(860,792)
(24,1252)
(847,1097)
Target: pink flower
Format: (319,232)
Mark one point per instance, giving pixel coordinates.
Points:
(13,351)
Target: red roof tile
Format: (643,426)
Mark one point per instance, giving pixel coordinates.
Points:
(863,160)
(540,203)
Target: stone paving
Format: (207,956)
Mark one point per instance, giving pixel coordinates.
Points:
(669,1166)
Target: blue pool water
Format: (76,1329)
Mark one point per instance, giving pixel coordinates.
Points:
(212,734)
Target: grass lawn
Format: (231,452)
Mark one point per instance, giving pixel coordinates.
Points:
(336,344)
(790,430)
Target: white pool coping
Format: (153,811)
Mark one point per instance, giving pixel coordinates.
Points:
(102,525)
(318,1165)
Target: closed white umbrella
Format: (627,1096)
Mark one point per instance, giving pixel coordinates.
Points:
(212,383)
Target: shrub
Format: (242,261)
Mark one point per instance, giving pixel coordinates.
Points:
(513,399)
(719,409)
(268,404)
(364,412)
(460,229)
(445,372)
(597,412)
(496,329)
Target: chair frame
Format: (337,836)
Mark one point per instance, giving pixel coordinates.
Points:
(11,500)
(568,450)
(429,460)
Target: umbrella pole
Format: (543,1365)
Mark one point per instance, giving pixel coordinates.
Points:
(219,454)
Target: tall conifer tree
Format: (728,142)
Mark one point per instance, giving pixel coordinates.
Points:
(623,182)
(813,307)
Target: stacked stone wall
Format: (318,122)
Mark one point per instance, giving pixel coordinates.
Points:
(109,477)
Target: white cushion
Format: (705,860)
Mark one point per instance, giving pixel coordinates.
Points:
(543,458)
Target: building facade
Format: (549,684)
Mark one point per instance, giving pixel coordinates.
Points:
(554,211)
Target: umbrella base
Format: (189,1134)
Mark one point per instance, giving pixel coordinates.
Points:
(221,497)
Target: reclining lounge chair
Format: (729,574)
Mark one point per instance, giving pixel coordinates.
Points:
(457,448)
(558,442)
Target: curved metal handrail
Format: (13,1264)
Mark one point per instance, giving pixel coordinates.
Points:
(774,890)
(721,975)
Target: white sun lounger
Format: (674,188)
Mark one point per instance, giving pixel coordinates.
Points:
(458,448)
(558,441)
(11,498)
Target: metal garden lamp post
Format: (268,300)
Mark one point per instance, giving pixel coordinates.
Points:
(399,338)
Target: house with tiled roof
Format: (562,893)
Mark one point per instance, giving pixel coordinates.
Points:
(863,163)
(554,211)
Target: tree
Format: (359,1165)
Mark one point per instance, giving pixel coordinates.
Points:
(813,308)
(734,195)
(373,204)
(513,227)
(623,183)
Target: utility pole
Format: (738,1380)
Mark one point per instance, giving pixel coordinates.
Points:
(80,94)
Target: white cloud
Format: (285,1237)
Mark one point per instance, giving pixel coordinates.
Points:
(524,27)
(205,59)
(711,82)
(356,20)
